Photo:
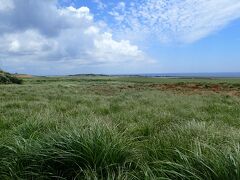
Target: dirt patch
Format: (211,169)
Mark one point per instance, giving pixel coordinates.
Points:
(183,88)
(198,88)
(23,76)
(190,88)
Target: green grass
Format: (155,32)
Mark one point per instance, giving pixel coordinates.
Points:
(119,128)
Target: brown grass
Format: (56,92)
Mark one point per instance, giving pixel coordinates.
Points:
(185,88)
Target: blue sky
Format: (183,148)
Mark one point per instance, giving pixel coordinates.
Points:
(51,37)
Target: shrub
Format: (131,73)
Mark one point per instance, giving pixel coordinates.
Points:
(7,78)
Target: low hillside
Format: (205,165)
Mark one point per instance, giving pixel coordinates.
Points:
(7,78)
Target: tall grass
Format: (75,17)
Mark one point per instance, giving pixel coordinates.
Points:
(93,153)
(85,129)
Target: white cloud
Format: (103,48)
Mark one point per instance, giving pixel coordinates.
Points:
(6,5)
(180,20)
(106,47)
(25,43)
(100,4)
(68,35)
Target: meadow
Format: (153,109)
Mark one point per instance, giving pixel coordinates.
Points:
(120,128)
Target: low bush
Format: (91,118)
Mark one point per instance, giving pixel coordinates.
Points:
(7,78)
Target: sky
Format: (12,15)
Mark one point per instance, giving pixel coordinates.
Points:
(60,37)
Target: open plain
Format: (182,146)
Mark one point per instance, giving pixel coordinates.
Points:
(120,128)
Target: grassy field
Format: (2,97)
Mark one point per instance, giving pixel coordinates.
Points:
(120,128)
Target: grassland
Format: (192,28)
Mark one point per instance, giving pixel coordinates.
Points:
(120,128)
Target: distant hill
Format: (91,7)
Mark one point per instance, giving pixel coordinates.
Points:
(88,75)
(23,75)
(7,78)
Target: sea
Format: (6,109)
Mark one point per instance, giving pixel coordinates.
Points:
(190,75)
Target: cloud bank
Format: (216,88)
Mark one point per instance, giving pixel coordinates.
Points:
(43,31)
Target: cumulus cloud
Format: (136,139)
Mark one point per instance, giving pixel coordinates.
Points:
(43,31)
(28,14)
(24,43)
(180,20)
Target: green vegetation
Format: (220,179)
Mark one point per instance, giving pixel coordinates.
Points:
(120,128)
(7,78)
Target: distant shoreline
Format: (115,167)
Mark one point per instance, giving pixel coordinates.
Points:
(171,75)
(150,75)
